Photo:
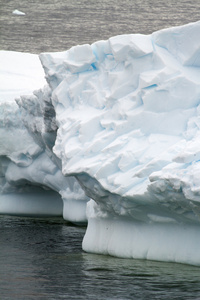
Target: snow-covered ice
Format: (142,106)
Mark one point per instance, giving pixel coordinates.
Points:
(121,118)
(20,74)
(31,182)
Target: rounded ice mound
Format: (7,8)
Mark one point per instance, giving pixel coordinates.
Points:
(128,118)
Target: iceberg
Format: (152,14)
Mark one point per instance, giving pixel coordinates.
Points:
(18,12)
(121,119)
(31,181)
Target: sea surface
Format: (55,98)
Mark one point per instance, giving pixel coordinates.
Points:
(43,258)
(52,25)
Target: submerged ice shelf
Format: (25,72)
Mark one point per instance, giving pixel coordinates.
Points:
(119,123)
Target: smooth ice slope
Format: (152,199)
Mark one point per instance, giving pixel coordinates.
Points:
(20,74)
(31,182)
(128,117)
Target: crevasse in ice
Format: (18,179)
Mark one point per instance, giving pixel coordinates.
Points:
(127,119)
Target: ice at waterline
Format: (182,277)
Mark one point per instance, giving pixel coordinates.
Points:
(28,166)
(118,122)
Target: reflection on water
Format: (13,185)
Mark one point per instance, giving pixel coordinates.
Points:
(42,259)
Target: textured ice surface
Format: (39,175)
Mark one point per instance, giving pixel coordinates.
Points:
(31,182)
(128,118)
(121,119)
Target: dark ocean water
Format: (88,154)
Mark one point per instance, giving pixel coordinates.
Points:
(43,258)
(52,25)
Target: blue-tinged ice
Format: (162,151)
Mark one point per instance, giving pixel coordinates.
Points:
(121,119)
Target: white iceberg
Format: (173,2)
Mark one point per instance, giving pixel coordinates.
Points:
(20,74)
(18,12)
(31,182)
(128,117)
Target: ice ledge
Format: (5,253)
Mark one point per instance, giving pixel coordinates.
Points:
(168,242)
(35,203)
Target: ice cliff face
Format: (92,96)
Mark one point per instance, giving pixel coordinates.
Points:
(127,108)
(122,118)
(127,111)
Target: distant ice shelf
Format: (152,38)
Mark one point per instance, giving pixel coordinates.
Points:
(116,128)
